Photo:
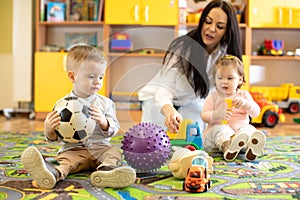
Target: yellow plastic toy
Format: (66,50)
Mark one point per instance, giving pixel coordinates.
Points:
(229,105)
(286,96)
(188,135)
(270,112)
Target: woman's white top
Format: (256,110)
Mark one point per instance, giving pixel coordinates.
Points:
(170,85)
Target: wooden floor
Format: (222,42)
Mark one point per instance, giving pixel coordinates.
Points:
(21,123)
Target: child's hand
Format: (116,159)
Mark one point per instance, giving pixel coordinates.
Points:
(241,103)
(223,113)
(99,117)
(51,122)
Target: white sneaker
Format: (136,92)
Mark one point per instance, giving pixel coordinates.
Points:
(116,178)
(237,142)
(43,172)
(256,144)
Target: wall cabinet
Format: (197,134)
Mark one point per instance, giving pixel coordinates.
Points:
(50,80)
(120,73)
(274,19)
(149,24)
(145,12)
(274,13)
(128,71)
(292,14)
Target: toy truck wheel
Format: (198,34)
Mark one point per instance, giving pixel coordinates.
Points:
(270,119)
(206,188)
(209,184)
(294,107)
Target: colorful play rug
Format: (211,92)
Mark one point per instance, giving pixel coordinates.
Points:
(276,175)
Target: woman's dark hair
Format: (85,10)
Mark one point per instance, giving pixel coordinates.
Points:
(191,52)
(231,39)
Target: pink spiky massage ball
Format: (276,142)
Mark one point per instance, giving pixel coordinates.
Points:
(146,147)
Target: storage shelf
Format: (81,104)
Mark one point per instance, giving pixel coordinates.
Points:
(48,33)
(65,23)
(275,58)
(274,28)
(136,54)
(196,24)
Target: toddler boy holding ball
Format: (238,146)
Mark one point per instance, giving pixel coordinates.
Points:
(85,68)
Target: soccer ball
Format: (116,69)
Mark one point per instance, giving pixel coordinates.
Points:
(76,124)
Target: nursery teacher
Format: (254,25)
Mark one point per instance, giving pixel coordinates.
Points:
(178,90)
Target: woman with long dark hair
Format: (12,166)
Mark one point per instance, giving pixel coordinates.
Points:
(178,90)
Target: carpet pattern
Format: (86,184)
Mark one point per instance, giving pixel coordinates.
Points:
(275,175)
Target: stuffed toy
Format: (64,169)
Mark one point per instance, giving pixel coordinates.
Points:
(183,158)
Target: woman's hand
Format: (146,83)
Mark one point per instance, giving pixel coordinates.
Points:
(172,121)
(98,116)
(172,118)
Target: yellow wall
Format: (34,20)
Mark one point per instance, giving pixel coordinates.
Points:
(6,57)
(6,26)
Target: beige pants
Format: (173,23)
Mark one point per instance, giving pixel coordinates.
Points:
(217,134)
(82,159)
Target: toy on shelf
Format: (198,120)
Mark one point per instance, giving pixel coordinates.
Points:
(270,113)
(188,135)
(194,10)
(295,53)
(198,178)
(73,38)
(146,147)
(182,159)
(120,43)
(272,48)
(296,120)
(126,100)
(193,18)
(56,12)
(286,96)
(76,124)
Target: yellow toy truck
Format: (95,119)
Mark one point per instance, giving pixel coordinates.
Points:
(188,135)
(270,113)
(287,96)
